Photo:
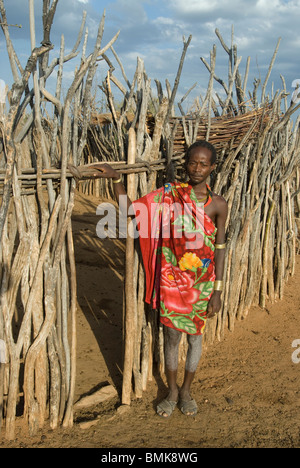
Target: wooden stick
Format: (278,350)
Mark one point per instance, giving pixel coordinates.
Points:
(129,291)
(68,418)
(177,79)
(269,71)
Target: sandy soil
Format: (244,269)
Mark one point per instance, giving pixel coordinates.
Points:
(247,386)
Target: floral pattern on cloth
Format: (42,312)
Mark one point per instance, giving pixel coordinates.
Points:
(177,242)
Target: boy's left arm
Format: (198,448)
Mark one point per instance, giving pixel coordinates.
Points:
(215,302)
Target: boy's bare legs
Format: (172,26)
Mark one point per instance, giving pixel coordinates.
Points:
(172,339)
(171,344)
(184,391)
(172,384)
(188,405)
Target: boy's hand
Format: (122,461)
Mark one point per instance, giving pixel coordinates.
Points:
(214,304)
(103,170)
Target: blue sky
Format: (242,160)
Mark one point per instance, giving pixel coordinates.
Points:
(153,30)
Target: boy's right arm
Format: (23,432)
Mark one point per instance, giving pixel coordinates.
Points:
(105,171)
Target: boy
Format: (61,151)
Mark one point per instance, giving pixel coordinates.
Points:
(184,263)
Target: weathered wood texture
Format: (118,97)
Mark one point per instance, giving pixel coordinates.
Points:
(258,174)
(38,273)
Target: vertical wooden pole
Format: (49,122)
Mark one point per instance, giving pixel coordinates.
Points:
(129,280)
(1,371)
(68,419)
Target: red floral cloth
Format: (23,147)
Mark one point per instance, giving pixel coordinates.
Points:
(177,244)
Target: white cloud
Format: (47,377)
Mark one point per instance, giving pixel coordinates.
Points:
(195,6)
(190,8)
(161,20)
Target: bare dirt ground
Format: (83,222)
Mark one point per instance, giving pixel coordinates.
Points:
(247,386)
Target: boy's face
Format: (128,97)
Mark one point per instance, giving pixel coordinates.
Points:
(199,166)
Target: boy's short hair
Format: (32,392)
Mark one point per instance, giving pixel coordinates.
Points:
(202,144)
